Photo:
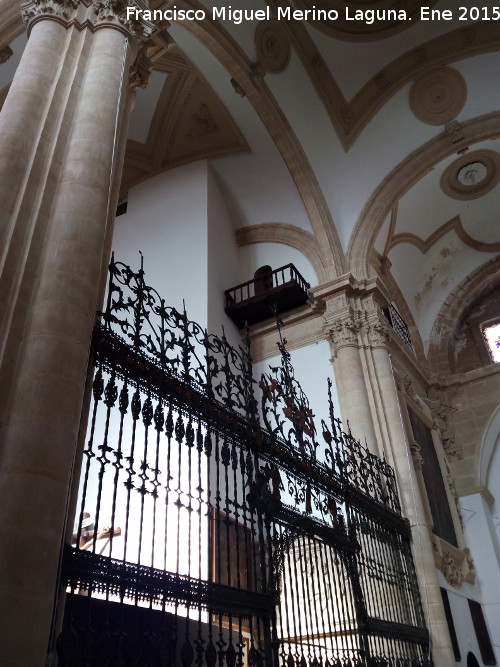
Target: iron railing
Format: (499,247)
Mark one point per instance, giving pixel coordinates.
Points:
(258,286)
(399,325)
(217,524)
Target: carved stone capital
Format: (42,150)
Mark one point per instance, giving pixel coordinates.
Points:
(113,13)
(58,10)
(5,54)
(96,13)
(343,332)
(378,332)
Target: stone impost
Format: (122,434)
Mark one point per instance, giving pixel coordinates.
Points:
(61,142)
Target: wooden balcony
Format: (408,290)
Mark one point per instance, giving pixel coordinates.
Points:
(254,301)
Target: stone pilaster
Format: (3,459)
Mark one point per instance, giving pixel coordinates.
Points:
(361,340)
(343,334)
(62,133)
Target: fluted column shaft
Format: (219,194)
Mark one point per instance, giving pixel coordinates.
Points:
(368,397)
(411,500)
(60,129)
(349,375)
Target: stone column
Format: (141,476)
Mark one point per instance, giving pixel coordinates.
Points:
(399,455)
(60,134)
(342,333)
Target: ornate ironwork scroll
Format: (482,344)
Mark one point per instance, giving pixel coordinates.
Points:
(216,523)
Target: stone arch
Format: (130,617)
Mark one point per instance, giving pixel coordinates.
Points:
(490,439)
(279,232)
(456,304)
(401,179)
(251,83)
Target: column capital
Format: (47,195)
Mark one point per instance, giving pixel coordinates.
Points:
(114,14)
(378,331)
(95,14)
(343,330)
(62,11)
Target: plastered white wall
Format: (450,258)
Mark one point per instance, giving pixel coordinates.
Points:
(166,220)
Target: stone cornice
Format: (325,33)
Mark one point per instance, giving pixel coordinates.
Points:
(476,375)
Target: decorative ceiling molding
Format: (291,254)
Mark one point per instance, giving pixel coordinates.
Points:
(350,118)
(231,56)
(280,232)
(438,95)
(402,178)
(453,225)
(272,46)
(387,17)
(472,175)
(190,123)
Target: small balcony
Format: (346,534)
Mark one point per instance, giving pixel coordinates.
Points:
(254,301)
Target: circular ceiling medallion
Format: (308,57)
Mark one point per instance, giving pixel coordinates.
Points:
(272,46)
(438,96)
(472,175)
(362,20)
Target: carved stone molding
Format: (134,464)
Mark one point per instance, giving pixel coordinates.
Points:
(416,455)
(443,423)
(472,175)
(5,54)
(389,16)
(455,131)
(456,564)
(406,386)
(438,96)
(452,571)
(140,71)
(272,46)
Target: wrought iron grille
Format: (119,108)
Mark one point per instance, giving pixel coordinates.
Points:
(399,325)
(217,524)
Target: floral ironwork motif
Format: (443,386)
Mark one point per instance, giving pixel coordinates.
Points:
(188,453)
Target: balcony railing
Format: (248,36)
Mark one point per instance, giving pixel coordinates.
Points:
(255,300)
(399,325)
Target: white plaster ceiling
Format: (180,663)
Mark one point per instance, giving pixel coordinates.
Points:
(263,185)
(144,107)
